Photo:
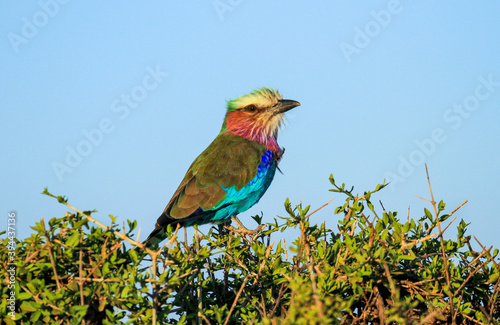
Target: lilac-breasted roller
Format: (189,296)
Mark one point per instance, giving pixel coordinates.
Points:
(235,170)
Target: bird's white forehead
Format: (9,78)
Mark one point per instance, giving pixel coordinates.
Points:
(263,97)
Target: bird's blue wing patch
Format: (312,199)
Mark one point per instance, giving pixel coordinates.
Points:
(237,201)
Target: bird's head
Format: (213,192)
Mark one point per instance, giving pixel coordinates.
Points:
(257,116)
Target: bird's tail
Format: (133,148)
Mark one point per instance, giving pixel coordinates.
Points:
(159,234)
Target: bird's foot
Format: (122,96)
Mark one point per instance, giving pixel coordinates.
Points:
(243,231)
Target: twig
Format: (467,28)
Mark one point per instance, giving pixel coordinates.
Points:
(263,304)
(472,319)
(496,290)
(80,273)
(312,274)
(321,207)
(40,301)
(487,251)
(100,280)
(133,242)
(431,316)
(286,251)
(198,289)
(468,278)
(278,300)
(236,300)
(101,261)
(422,198)
(445,258)
(380,201)
(185,237)
(449,224)
(205,319)
(406,244)
(200,303)
(154,257)
(389,278)
(50,256)
(380,305)
(458,208)
(138,234)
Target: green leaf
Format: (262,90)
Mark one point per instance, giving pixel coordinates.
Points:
(27,306)
(380,186)
(493,277)
(24,296)
(428,214)
(441,206)
(406,257)
(73,240)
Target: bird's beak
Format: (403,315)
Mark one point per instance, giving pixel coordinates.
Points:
(285,105)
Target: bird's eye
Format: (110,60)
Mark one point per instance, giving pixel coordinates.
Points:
(251,108)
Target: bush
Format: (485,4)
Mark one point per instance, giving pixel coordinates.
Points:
(374,269)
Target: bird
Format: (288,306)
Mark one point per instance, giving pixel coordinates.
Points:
(234,171)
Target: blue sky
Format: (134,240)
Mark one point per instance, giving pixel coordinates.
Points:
(109,104)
